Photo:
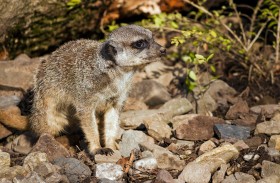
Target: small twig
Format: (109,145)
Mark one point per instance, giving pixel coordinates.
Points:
(257,36)
(256,10)
(129,163)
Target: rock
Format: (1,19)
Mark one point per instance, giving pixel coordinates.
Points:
(45,169)
(157,129)
(22,144)
(151,92)
(18,73)
(226,131)
(270,169)
(216,95)
(182,119)
(56,178)
(274,142)
(273,153)
(31,177)
(237,110)
(134,104)
(254,142)
(268,110)
(181,147)
(165,158)
(131,140)
(200,170)
(165,79)
(164,176)
(11,172)
(206,146)
(156,68)
(51,147)
(177,106)
(75,170)
(4,180)
(11,117)
(239,177)
(251,156)
(199,128)
(268,127)
(100,158)
(220,174)
(34,159)
(195,173)
(240,145)
(145,164)
(271,179)
(246,119)
(5,160)
(4,132)
(109,171)
(10,100)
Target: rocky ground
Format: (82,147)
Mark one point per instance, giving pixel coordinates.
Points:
(210,136)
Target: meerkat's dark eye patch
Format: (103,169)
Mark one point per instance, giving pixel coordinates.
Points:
(140,44)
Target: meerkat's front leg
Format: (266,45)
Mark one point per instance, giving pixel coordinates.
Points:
(90,128)
(111,124)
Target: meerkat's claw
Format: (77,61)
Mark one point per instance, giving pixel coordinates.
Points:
(105,151)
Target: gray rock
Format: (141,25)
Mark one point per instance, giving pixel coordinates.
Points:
(268,127)
(177,106)
(226,131)
(145,164)
(164,176)
(34,159)
(151,92)
(109,171)
(51,147)
(5,160)
(75,170)
(100,158)
(239,177)
(131,140)
(270,169)
(165,158)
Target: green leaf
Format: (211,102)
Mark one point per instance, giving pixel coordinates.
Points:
(213,33)
(209,57)
(192,75)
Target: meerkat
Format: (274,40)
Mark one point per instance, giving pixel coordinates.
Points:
(85,82)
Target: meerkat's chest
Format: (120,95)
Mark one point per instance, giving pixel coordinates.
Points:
(123,82)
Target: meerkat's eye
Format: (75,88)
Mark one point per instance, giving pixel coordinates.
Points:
(140,44)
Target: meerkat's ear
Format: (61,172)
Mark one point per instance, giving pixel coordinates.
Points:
(109,50)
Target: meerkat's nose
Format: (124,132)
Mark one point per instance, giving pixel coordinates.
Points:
(162,51)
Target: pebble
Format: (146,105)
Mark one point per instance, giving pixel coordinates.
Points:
(274,142)
(109,171)
(164,176)
(177,106)
(51,147)
(34,159)
(269,169)
(226,131)
(206,146)
(220,174)
(268,127)
(75,170)
(268,109)
(31,177)
(131,140)
(101,158)
(5,160)
(251,156)
(157,129)
(146,164)
(239,177)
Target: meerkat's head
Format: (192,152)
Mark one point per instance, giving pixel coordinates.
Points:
(131,45)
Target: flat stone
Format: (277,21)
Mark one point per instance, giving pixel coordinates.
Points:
(75,170)
(274,142)
(5,160)
(100,158)
(239,177)
(51,147)
(157,129)
(18,73)
(254,142)
(151,92)
(268,127)
(199,128)
(226,131)
(164,176)
(268,109)
(146,164)
(269,169)
(206,146)
(165,158)
(177,106)
(11,117)
(240,145)
(131,140)
(109,171)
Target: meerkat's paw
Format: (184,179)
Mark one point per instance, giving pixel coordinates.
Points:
(104,151)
